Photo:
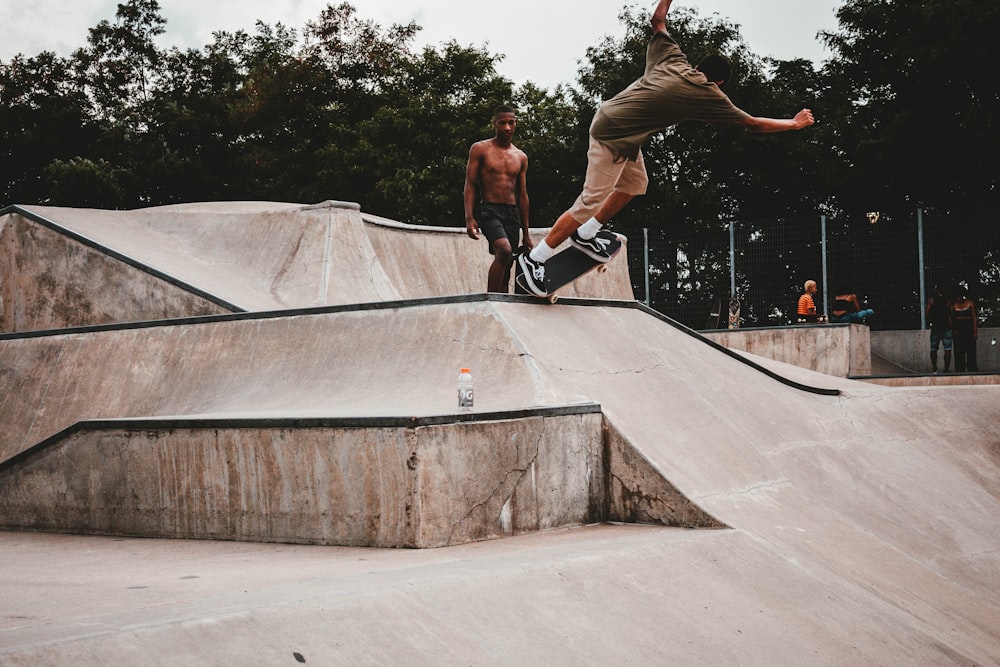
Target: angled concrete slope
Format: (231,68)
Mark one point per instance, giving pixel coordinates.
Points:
(65,267)
(49,279)
(397,358)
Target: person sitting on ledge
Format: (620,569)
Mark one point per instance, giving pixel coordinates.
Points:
(847,309)
(806,312)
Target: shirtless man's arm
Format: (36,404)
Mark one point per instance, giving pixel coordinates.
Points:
(522,202)
(471,178)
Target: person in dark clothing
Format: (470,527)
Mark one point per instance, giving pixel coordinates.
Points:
(939,321)
(965,327)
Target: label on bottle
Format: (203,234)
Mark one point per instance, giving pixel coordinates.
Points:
(465,397)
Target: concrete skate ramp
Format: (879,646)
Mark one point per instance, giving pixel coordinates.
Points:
(864,525)
(67,267)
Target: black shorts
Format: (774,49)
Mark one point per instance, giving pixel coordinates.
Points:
(497,221)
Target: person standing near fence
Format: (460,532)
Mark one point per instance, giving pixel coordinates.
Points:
(670,91)
(939,320)
(806,311)
(964,322)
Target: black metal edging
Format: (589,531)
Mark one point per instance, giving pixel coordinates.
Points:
(256,315)
(311,310)
(199,423)
(725,350)
(114,254)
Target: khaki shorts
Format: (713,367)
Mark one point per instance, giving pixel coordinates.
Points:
(606,174)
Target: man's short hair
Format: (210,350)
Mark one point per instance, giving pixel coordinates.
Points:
(716,68)
(503,108)
(809,283)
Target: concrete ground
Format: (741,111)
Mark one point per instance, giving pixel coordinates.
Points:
(863,521)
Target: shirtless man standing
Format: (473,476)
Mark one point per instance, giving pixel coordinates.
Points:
(500,169)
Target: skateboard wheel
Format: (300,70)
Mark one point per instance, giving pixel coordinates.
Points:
(553,298)
(602,268)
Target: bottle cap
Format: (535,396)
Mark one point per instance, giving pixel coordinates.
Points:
(466,370)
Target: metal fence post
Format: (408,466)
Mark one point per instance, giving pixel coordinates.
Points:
(920,256)
(826,276)
(645,259)
(732,259)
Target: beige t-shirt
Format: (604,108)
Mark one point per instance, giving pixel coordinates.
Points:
(669,92)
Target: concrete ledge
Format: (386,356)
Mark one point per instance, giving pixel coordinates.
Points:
(387,483)
(841,350)
(935,380)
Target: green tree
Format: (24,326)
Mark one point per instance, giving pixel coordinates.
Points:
(84,183)
(120,63)
(919,102)
(552,130)
(416,144)
(44,116)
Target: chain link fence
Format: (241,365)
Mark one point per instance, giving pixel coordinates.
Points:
(891,260)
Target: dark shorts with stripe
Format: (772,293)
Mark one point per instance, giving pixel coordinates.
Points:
(497,221)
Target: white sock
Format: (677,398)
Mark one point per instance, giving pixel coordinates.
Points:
(589,229)
(541,252)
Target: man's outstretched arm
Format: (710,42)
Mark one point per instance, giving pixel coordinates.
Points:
(802,119)
(659,19)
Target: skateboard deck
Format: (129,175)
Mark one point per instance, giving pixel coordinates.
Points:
(568,266)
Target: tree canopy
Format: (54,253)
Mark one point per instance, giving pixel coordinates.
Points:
(345,108)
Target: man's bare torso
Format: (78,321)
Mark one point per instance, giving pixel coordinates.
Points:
(498,171)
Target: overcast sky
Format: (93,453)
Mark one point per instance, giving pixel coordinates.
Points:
(543,40)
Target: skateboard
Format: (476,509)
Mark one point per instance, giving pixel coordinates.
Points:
(568,266)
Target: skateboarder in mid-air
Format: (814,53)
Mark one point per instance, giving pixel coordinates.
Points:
(670,91)
(500,169)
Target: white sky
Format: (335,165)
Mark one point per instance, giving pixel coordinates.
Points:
(543,40)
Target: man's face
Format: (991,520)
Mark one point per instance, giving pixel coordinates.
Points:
(504,124)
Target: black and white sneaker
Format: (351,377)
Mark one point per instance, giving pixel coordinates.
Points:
(595,248)
(532,274)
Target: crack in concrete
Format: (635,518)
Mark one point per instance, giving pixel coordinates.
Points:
(502,485)
(626,371)
(750,490)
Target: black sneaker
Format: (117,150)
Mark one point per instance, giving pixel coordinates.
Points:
(532,274)
(595,248)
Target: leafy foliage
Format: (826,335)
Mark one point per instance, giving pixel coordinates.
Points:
(344,108)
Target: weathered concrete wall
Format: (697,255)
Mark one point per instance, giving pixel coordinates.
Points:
(911,349)
(426,486)
(50,281)
(842,350)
